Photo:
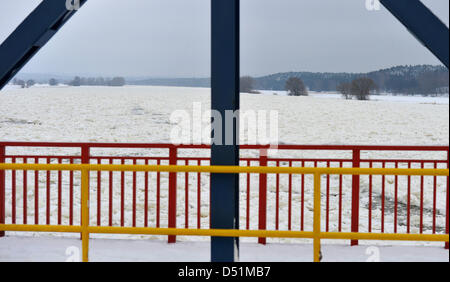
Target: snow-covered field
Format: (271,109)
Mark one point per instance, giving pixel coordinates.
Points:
(387,97)
(142,114)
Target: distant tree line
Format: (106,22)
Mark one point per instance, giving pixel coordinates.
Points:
(97,81)
(294,86)
(77,81)
(412,80)
(23,83)
(418,80)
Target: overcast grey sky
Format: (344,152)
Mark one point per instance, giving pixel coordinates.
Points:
(171,38)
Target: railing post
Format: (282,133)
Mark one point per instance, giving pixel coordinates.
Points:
(85,159)
(2,190)
(317,217)
(172,193)
(85,154)
(85,214)
(447,216)
(355,195)
(262,195)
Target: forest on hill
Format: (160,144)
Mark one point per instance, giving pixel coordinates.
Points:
(419,79)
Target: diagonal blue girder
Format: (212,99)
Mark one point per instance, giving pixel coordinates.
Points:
(423,24)
(31,35)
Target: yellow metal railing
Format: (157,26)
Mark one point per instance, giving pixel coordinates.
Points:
(316,234)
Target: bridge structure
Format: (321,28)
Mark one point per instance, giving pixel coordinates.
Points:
(51,15)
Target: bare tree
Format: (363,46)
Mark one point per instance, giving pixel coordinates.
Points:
(345,89)
(117,81)
(296,87)
(362,87)
(30,83)
(246,84)
(53,82)
(21,83)
(76,81)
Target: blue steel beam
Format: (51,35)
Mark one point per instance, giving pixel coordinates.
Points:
(423,24)
(225,97)
(31,35)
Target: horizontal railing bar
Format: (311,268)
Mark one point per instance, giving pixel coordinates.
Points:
(200,232)
(91,145)
(204,146)
(227,169)
(242,159)
(41,157)
(79,157)
(41,228)
(385,236)
(350,160)
(226,233)
(394,161)
(401,161)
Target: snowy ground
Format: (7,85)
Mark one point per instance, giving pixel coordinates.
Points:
(141,114)
(28,249)
(387,97)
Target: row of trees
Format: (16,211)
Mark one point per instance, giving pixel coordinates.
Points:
(360,88)
(23,83)
(294,86)
(414,80)
(77,81)
(97,81)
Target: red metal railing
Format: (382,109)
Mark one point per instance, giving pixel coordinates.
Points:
(288,203)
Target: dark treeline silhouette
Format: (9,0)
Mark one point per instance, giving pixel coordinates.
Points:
(76,81)
(23,83)
(97,81)
(410,80)
(420,79)
(423,79)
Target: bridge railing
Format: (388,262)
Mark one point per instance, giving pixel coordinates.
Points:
(395,204)
(316,234)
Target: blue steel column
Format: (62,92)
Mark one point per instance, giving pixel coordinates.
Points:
(31,35)
(225,97)
(423,24)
